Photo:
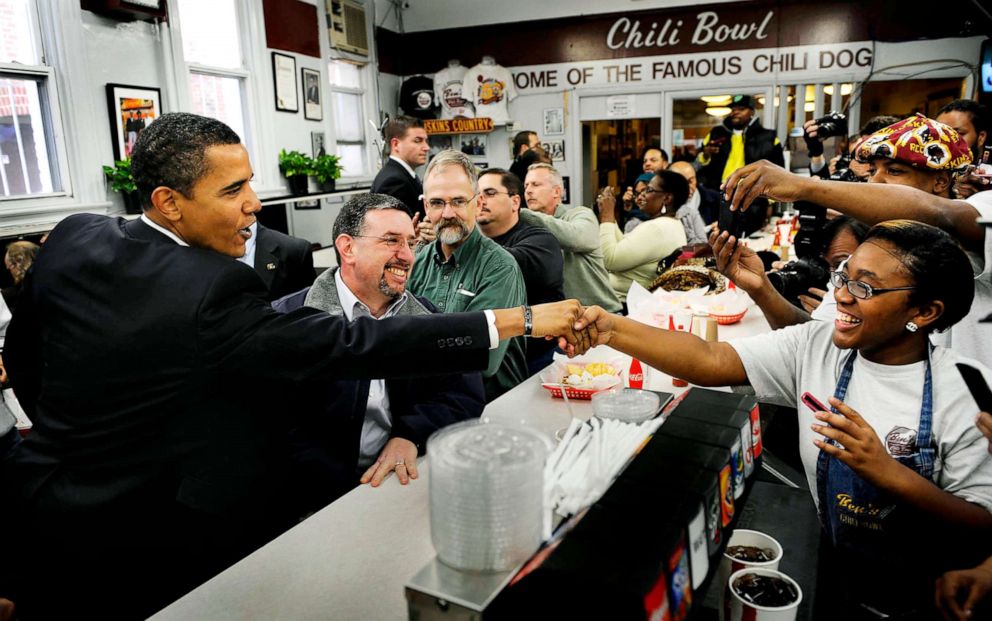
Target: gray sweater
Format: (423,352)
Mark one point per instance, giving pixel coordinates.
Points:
(577,230)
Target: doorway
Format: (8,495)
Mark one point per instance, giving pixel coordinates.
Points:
(612,151)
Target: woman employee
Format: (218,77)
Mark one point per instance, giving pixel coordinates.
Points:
(898,462)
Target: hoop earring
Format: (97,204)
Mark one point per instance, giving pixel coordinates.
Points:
(912,327)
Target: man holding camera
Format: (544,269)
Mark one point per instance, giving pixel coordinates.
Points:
(738,141)
(842,167)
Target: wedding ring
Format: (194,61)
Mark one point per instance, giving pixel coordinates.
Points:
(400,463)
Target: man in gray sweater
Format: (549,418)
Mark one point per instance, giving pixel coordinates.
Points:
(577,230)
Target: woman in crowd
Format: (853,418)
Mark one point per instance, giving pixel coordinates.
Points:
(897,469)
(632,215)
(635,256)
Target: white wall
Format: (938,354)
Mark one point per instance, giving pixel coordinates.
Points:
(121,53)
(438,14)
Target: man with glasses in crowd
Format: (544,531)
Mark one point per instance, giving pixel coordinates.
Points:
(352,431)
(536,250)
(462,270)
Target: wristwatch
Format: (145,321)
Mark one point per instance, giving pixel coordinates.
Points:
(528,320)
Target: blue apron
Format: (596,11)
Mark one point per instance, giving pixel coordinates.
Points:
(866,526)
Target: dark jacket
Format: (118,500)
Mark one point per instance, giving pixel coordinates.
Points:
(395,181)
(140,362)
(759,144)
(324,440)
(538,254)
(284,263)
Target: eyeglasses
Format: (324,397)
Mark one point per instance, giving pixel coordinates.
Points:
(650,190)
(858,289)
(492,192)
(456,203)
(394,243)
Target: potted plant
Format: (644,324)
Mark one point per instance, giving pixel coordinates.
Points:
(119,176)
(327,168)
(295,166)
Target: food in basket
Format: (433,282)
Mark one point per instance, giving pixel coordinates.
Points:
(581,376)
(689,277)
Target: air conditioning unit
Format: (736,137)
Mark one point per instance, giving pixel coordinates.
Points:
(347,26)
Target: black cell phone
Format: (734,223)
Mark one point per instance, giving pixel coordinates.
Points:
(731,221)
(977,386)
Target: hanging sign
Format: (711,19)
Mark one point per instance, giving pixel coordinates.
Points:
(481,125)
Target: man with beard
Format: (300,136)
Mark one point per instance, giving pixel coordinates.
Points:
(738,141)
(358,431)
(463,270)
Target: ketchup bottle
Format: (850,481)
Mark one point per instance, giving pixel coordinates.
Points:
(635,376)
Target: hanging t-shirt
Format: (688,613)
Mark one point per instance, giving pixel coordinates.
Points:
(783,364)
(417,97)
(448,92)
(489,88)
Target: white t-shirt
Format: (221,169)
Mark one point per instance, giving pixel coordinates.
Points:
(968,337)
(827,310)
(448,92)
(489,88)
(783,364)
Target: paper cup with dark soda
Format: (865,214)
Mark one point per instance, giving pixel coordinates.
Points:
(746,549)
(760,594)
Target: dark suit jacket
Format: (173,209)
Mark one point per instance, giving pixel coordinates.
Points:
(324,441)
(395,181)
(285,263)
(138,360)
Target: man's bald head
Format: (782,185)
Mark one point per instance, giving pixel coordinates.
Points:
(686,170)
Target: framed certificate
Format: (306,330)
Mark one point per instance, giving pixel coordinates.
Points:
(284,75)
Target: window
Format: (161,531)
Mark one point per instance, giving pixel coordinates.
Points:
(28,166)
(213,53)
(348,103)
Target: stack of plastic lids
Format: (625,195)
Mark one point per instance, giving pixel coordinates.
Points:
(487,494)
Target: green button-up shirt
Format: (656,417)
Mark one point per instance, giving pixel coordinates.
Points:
(479,275)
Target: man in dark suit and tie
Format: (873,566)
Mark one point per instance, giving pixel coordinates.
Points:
(284,263)
(138,352)
(408,149)
(358,431)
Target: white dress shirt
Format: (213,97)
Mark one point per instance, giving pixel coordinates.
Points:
(249,257)
(404,165)
(163,231)
(378,419)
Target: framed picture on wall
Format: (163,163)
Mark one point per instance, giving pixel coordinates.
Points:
(131,109)
(284,75)
(317,144)
(312,109)
(555,150)
(441,143)
(554,121)
(473,144)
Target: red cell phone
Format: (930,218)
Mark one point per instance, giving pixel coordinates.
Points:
(813,403)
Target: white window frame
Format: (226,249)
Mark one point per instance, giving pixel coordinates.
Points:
(51,112)
(259,136)
(368,109)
